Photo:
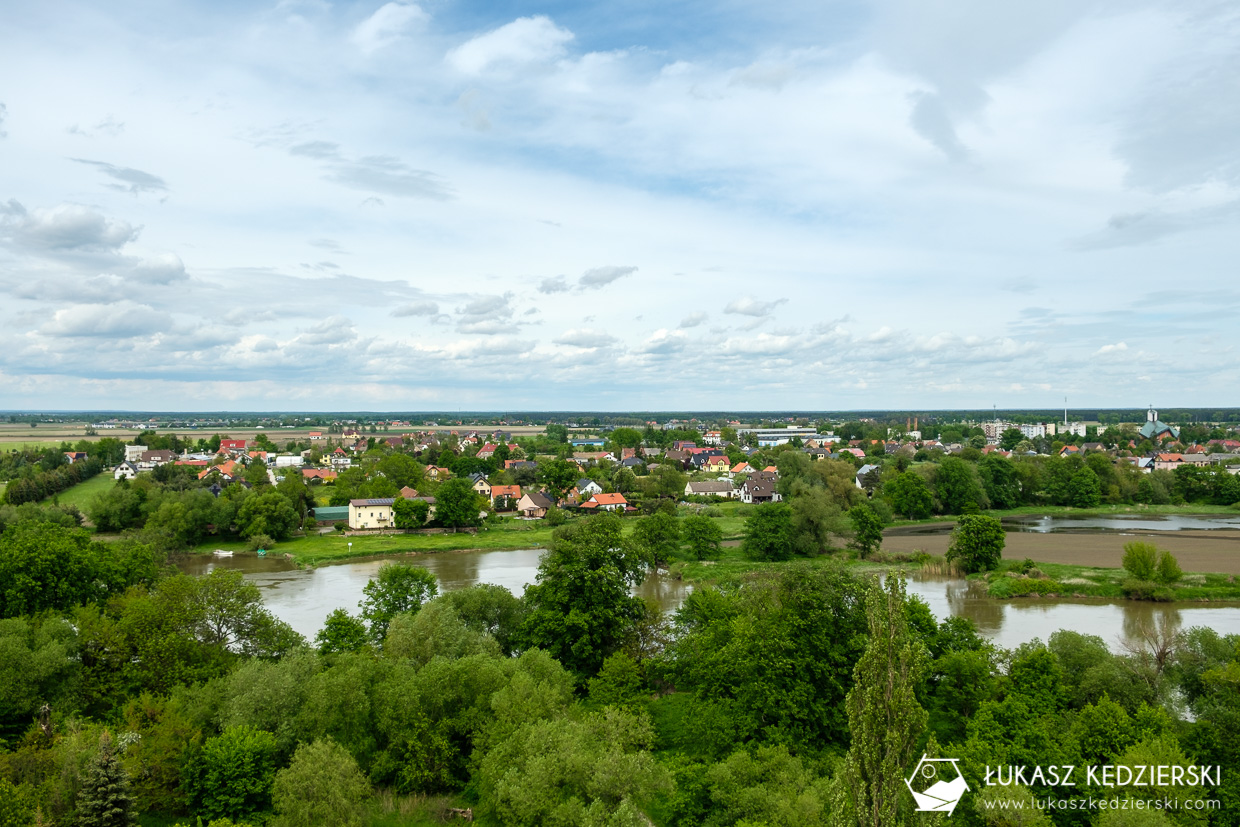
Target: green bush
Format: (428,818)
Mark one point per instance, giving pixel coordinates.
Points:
(260,541)
(1135,589)
(231,776)
(1140,559)
(1168,571)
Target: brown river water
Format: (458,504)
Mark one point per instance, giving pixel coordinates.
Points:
(304,597)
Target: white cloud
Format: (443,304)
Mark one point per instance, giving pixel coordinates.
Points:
(1118,347)
(693,320)
(586,338)
(119,320)
(416,309)
(556,284)
(387,25)
(749,306)
(523,41)
(602,276)
(67,227)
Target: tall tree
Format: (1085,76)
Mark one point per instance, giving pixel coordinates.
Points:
(885,721)
(398,588)
(104,799)
(580,609)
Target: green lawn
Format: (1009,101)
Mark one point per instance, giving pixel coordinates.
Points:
(84,492)
(316,549)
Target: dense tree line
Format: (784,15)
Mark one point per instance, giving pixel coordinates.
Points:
(797,696)
(36,484)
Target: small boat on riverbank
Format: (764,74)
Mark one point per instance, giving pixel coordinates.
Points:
(219,552)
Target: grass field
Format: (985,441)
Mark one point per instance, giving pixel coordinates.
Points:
(317,549)
(84,492)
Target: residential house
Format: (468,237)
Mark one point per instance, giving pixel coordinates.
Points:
(435,472)
(1069,450)
(481,485)
(632,462)
(717,465)
(759,490)
(588,488)
(505,492)
(125,471)
(861,474)
(534,505)
(1092,446)
(75,456)
(486,451)
(324,474)
(232,445)
(372,513)
(607,502)
(1168,462)
(519,465)
(315,436)
(408,493)
(711,488)
(154,459)
(713,438)
(741,467)
(592,457)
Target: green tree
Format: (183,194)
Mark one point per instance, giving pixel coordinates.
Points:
(658,537)
(457,505)
(885,721)
(1084,491)
(1010,438)
(557,433)
(402,469)
(104,799)
(267,513)
(665,481)
(256,474)
(977,542)
(321,787)
(581,609)
(768,532)
(231,775)
(867,530)
(558,476)
(341,632)
(397,588)
(594,770)
(1140,559)
(409,513)
(816,518)
(1000,482)
(909,495)
(619,682)
(704,536)
(957,485)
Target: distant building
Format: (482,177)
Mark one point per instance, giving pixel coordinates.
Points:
(1153,429)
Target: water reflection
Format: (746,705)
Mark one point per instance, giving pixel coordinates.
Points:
(304,598)
(1010,623)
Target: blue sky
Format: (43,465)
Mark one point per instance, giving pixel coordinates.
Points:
(631,205)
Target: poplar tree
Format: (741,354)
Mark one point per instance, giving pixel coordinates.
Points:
(104,799)
(884,718)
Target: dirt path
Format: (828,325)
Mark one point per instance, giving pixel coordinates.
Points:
(1202,551)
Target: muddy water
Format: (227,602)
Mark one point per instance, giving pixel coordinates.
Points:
(303,598)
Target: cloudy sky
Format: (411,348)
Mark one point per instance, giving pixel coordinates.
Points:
(639,204)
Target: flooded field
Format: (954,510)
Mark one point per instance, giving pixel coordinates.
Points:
(303,598)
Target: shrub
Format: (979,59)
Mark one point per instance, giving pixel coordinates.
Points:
(977,543)
(322,787)
(259,541)
(340,525)
(1135,589)
(1168,570)
(1140,559)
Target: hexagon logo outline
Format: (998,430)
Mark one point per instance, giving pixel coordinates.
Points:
(941,796)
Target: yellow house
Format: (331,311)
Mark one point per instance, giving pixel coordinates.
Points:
(376,513)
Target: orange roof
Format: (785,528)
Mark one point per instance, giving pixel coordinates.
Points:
(609,499)
(771,469)
(739,467)
(498,491)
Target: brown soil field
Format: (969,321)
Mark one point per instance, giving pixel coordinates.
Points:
(11,434)
(1197,551)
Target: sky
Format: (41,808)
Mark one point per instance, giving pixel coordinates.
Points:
(632,205)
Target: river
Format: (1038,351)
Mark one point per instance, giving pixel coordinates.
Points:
(304,597)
